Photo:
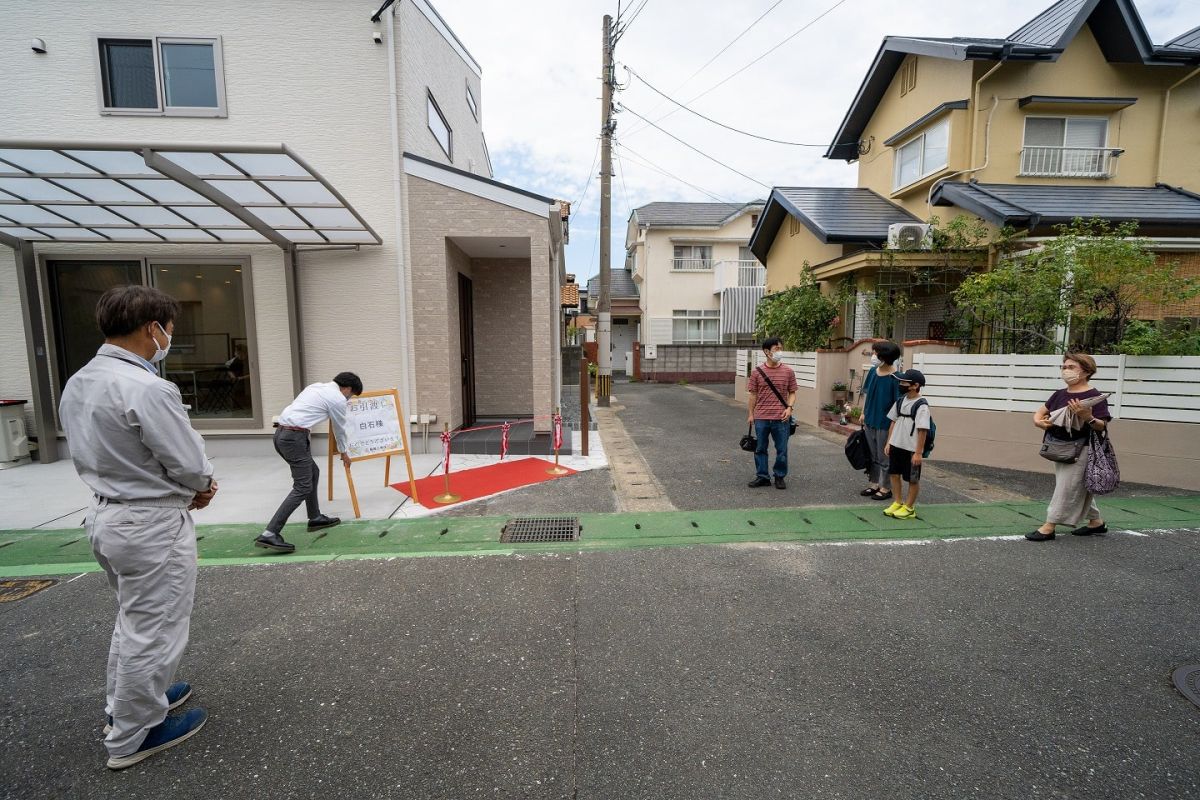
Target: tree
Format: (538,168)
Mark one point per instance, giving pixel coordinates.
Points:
(1091,278)
(800,315)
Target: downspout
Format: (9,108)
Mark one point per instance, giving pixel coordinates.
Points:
(1162,125)
(974,132)
(403,275)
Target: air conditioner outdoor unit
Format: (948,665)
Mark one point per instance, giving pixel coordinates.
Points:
(909,236)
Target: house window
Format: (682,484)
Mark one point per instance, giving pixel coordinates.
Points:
(472,104)
(692,257)
(908,76)
(161,76)
(1066,147)
(210,358)
(438,125)
(924,155)
(695,327)
(794,226)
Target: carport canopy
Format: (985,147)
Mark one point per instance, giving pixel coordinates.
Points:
(63,191)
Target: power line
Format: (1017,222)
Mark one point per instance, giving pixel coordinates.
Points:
(651,165)
(591,174)
(731,43)
(621,30)
(693,148)
(715,122)
(730,77)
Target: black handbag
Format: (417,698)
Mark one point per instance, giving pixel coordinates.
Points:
(782,402)
(749,443)
(1063,451)
(858,452)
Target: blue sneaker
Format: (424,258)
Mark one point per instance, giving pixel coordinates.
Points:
(168,733)
(177,695)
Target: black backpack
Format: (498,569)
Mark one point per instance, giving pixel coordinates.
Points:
(858,453)
(921,401)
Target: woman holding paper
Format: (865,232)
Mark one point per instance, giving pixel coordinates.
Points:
(1067,417)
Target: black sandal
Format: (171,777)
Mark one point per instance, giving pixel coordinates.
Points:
(867,492)
(885,496)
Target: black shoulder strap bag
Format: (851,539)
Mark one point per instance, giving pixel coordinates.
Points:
(782,402)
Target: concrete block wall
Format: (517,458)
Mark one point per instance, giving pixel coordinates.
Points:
(703,363)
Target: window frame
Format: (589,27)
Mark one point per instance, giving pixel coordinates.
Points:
(149,263)
(1066,118)
(699,316)
(431,102)
(705,248)
(162,109)
(922,171)
(472,103)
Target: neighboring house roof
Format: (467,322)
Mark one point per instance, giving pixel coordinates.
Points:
(620,285)
(569,295)
(833,214)
(1035,205)
(1116,25)
(690,215)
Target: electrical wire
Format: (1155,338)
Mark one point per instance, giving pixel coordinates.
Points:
(715,122)
(694,148)
(733,75)
(647,163)
(620,31)
(591,174)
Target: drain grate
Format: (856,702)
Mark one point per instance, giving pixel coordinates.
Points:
(19,588)
(540,529)
(1187,681)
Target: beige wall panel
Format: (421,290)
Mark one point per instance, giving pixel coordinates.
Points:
(785,259)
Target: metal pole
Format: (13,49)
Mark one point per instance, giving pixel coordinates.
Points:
(38,355)
(584,398)
(603,308)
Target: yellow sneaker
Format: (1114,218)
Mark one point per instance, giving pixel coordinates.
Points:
(904,512)
(891,510)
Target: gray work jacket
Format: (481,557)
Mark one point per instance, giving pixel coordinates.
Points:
(129,434)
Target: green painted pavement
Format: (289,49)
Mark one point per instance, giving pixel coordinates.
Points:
(24,553)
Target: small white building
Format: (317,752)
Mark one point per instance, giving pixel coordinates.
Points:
(312,183)
(697,281)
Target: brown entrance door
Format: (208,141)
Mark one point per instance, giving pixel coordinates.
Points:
(466,339)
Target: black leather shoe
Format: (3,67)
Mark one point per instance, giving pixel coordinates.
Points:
(1038,536)
(275,542)
(757,482)
(780,483)
(1086,531)
(317,523)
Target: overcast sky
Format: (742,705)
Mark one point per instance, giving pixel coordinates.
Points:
(541,108)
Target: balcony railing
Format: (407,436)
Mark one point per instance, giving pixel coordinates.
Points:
(1069,162)
(728,274)
(691,264)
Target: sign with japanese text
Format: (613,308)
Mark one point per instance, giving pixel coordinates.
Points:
(373,419)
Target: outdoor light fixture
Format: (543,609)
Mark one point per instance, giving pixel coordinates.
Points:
(377,36)
(38,45)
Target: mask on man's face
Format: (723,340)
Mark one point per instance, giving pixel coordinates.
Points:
(773,356)
(160,352)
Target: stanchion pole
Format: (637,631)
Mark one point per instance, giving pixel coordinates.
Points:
(584,397)
(556,469)
(446,496)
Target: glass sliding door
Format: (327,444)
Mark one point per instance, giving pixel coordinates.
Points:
(75,286)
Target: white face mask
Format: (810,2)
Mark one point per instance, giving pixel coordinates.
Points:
(874,360)
(773,356)
(1071,376)
(161,352)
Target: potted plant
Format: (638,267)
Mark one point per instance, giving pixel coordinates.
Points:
(855,415)
(840,392)
(830,410)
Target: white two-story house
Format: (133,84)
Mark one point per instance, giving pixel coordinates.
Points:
(312,183)
(697,281)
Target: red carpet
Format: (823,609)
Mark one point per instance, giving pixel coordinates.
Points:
(470,484)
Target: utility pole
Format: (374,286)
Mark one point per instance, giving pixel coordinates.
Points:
(604,307)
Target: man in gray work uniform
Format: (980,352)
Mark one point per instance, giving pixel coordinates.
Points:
(134,447)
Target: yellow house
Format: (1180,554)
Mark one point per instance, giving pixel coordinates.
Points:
(1075,114)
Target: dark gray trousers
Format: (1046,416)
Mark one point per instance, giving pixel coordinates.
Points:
(294,448)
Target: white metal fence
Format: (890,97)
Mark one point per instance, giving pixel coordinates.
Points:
(1071,162)
(803,364)
(1161,388)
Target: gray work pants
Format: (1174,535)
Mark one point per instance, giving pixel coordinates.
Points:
(294,448)
(878,468)
(149,555)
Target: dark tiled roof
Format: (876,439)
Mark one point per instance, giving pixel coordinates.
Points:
(620,285)
(1116,25)
(833,214)
(1042,206)
(693,214)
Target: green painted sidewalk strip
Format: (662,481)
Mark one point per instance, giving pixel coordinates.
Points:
(24,553)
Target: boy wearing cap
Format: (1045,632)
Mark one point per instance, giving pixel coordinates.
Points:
(906,441)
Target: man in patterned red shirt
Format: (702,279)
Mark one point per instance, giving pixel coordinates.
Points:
(772,393)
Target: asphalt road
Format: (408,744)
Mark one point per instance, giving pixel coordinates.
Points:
(966,669)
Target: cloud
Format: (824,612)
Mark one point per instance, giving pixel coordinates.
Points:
(541,89)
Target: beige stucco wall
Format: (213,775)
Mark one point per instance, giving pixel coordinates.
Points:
(436,214)
(793,246)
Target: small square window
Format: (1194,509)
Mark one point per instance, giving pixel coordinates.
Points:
(161,76)
(438,126)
